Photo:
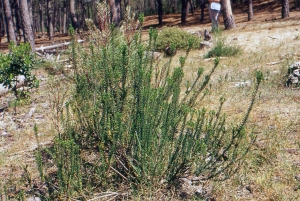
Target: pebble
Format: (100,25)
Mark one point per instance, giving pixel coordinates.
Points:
(4,133)
(34,198)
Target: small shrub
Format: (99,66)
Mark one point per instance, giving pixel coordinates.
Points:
(53,68)
(18,62)
(176,36)
(223,49)
(127,123)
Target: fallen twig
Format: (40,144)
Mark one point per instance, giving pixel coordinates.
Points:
(42,48)
(210,59)
(118,173)
(104,196)
(273,37)
(274,62)
(19,83)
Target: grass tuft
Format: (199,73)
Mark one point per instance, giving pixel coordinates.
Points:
(222,49)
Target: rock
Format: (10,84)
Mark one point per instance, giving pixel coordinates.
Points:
(186,181)
(243,84)
(34,198)
(293,74)
(200,192)
(4,133)
(32,110)
(207,36)
(168,51)
(297,177)
(204,44)
(185,195)
(199,34)
(156,55)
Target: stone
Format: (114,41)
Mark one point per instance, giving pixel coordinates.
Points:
(32,110)
(4,133)
(204,44)
(168,51)
(243,84)
(34,198)
(156,55)
(199,34)
(207,35)
(294,74)
(295,80)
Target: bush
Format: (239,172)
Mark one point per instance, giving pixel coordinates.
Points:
(223,49)
(19,61)
(178,37)
(127,123)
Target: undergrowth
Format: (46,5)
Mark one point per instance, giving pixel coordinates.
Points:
(222,49)
(18,62)
(178,37)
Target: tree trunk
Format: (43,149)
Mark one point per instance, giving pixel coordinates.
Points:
(18,20)
(65,18)
(190,6)
(152,6)
(115,9)
(60,20)
(126,3)
(285,9)
(74,20)
(3,19)
(83,14)
(29,2)
(229,21)
(202,7)
(2,23)
(250,10)
(297,4)
(55,17)
(41,13)
(9,22)
(183,10)
(28,32)
(50,19)
(160,11)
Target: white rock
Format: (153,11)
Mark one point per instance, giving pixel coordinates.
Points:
(32,110)
(34,198)
(243,84)
(4,133)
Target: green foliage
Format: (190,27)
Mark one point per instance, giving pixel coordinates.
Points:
(129,121)
(221,48)
(178,37)
(19,61)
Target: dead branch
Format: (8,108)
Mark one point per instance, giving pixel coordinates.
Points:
(20,83)
(42,48)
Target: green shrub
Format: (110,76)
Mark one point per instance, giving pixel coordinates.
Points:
(221,48)
(127,122)
(19,61)
(176,36)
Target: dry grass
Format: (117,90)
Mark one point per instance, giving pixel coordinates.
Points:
(18,146)
(270,168)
